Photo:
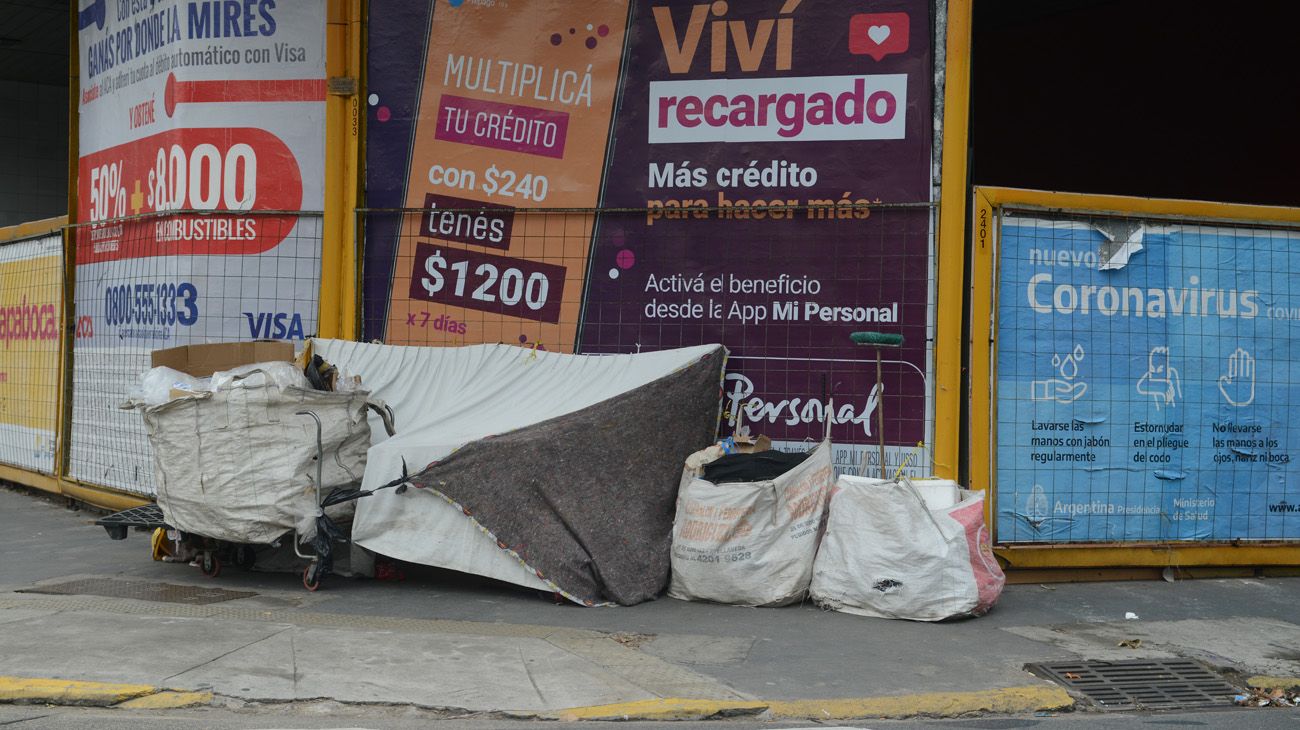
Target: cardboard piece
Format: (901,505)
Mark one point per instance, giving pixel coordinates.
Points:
(175,393)
(752,444)
(204,360)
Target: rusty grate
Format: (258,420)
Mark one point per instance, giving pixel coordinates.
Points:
(142,591)
(1141,684)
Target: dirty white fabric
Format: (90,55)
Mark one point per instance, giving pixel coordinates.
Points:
(937,493)
(750,543)
(887,554)
(446,397)
(156,384)
(240,464)
(279,374)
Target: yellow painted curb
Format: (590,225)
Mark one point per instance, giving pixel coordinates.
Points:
(69,692)
(168,700)
(663,709)
(1267,682)
(1008,700)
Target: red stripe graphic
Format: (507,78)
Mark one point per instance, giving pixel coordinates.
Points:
(191,92)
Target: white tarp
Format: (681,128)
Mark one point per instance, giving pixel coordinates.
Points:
(446,397)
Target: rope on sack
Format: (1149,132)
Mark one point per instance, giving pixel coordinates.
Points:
(339,495)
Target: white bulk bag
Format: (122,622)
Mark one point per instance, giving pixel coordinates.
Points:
(887,554)
(240,464)
(750,543)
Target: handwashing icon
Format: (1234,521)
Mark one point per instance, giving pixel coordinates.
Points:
(1063,389)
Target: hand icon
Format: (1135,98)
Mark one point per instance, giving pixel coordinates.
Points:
(1238,386)
(1064,389)
(1061,391)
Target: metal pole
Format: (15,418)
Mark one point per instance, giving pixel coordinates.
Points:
(880,414)
(320,462)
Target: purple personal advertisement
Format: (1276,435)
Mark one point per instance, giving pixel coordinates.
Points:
(766,185)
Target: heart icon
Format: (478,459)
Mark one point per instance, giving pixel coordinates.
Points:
(879,34)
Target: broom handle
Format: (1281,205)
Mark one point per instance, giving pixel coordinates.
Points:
(880,415)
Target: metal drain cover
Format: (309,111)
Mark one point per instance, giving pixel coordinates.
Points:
(1141,684)
(142,591)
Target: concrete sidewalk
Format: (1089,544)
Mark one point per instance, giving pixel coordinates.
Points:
(76,606)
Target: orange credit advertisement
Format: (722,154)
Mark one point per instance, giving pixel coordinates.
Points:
(514,114)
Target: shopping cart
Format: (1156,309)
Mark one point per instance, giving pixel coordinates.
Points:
(211,551)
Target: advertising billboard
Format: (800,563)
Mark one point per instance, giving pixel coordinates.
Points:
(1145,382)
(31,307)
(213,114)
(604,177)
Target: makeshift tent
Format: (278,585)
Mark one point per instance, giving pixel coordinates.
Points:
(553,471)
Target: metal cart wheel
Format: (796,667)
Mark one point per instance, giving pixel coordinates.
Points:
(311,577)
(210,564)
(245,556)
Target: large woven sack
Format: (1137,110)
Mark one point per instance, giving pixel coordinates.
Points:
(750,543)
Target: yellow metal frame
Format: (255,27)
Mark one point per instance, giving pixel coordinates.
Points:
(32,229)
(985,220)
(338,300)
(37,480)
(951,248)
(338,308)
(69,301)
(59,482)
(338,295)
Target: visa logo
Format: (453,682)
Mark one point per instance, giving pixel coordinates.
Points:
(274,325)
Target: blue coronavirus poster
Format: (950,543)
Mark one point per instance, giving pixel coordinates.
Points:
(1147,382)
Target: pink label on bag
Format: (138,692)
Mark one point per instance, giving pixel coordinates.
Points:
(989,578)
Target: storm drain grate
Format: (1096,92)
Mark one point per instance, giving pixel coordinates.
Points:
(142,591)
(1141,684)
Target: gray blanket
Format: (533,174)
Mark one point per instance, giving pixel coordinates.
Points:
(587,499)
